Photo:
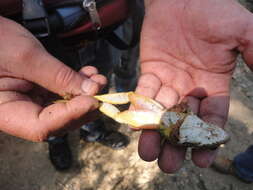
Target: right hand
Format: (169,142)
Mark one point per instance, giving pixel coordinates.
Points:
(24,64)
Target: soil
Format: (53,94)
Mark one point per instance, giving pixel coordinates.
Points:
(24,165)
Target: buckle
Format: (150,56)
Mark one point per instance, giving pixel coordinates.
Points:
(35,18)
(91,7)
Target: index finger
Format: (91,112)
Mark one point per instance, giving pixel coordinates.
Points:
(149,141)
(148,85)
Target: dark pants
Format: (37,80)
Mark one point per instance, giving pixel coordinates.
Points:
(243,163)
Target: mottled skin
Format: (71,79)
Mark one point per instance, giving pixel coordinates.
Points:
(188,50)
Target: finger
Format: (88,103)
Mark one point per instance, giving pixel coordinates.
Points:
(148,85)
(77,123)
(213,109)
(92,73)
(149,145)
(89,71)
(203,158)
(13,84)
(171,158)
(149,142)
(167,96)
(193,103)
(99,79)
(47,71)
(30,121)
(60,114)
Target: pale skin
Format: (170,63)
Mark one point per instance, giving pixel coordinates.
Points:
(188,51)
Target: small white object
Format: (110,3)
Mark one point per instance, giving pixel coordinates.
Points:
(139,118)
(109,110)
(196,132)
(116,98)
(144,103)
(171,118)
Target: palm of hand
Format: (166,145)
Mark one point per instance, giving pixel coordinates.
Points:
(188,51)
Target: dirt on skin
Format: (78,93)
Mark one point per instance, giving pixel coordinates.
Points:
(25,165)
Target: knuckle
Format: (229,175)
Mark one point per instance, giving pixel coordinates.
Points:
(90,69)
(65,76)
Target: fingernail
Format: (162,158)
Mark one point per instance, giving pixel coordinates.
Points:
(89,87)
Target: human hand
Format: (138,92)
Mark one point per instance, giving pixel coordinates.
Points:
(25,64)
(188,51)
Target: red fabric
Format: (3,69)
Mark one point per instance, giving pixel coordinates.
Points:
(109,15)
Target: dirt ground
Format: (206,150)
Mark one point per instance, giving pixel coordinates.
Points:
(25,165)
